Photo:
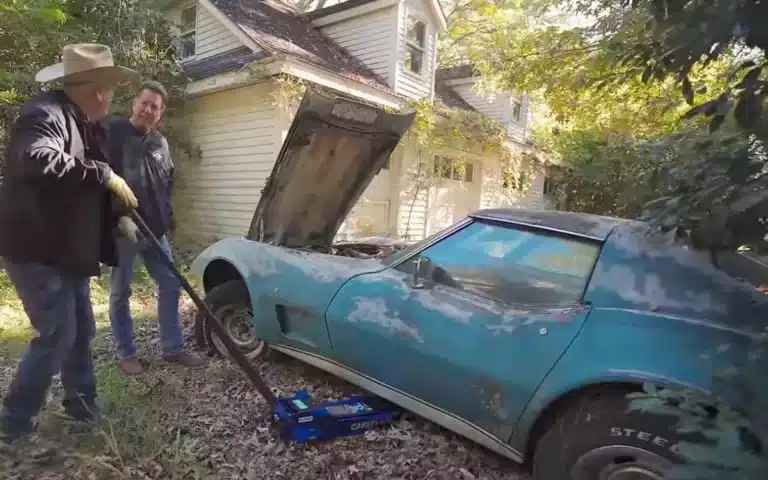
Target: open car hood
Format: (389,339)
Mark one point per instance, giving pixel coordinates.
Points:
(333,150)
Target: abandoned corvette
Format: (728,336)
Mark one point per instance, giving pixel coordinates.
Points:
(520,330)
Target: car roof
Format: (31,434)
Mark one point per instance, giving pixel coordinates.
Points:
(596,227)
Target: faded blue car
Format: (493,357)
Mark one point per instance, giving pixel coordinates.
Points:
(521,330)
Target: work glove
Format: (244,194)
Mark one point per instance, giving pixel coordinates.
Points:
(117,185)
(128,230)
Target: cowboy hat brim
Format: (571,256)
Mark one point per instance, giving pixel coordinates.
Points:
(109,75)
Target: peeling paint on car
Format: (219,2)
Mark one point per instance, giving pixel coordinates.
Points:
(515,318)
(451,311)
(374,310)
(647,289)
(493,400)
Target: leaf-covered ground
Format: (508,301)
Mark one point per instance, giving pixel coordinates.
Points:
(208,423)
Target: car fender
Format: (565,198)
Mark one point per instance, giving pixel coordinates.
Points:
(303,282)
(626,347)
(227,250)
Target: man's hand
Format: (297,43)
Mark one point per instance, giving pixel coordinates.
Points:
(117,185)
(130,231)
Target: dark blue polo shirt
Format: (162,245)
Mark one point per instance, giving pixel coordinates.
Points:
(144,161)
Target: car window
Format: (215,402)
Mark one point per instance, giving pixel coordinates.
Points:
(511,265)
(408,251)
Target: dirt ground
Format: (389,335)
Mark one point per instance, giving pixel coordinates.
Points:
(209,423)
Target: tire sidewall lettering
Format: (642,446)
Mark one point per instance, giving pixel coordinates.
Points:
(645,437)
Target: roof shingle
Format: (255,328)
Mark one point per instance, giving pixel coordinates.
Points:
(221,63)
(278,28)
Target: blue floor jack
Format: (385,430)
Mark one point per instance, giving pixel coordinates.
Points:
(297,417)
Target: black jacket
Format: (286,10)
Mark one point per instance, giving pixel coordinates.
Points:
(144,162)
(54,206)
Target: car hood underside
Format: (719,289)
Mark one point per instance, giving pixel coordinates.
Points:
(333,150)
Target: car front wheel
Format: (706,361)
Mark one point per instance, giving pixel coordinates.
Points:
(230,303)
(596,438)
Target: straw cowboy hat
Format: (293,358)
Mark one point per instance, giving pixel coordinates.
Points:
(86,62)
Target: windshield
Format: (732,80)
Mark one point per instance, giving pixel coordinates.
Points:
(408,251)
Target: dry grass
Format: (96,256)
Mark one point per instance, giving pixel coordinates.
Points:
(208,423)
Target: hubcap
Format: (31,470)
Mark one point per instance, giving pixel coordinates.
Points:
(620,462)
(238,323)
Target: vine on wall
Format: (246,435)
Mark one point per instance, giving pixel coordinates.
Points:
(438,129)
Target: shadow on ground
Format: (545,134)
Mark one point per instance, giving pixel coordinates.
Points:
(208,423)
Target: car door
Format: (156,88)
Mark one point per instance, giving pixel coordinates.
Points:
(470,323)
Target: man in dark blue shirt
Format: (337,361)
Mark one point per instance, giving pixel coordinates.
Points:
(140,154)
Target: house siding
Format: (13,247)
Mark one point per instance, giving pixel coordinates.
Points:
(413,193)
(235,131)
(495,196)
(369,38)
(498,106)
(212,37)
(408,84)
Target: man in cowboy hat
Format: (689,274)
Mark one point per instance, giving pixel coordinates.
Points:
(57,219)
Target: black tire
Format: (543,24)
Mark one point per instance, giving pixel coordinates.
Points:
(230,303)
(596,437)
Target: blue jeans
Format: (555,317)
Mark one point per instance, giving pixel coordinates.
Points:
(168,289)
(59,309)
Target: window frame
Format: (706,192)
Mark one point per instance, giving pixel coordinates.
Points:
(419,249)
(452,170)
(422,49)
(186,35)
(517,110)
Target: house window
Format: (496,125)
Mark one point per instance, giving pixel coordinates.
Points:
(515,182)
(549,186)
(511,265)
(415,45)
(517,111)
(451,169)
(187,27)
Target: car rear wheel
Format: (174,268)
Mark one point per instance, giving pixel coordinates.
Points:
(229,302)
(596,438)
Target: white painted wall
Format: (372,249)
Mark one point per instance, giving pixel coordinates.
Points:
(497,105)
(495,196)
(451,200)
(369,38)
(212,36)
(236,132)
(407,83)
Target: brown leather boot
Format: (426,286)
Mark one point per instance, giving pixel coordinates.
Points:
(183,358)
(132,366)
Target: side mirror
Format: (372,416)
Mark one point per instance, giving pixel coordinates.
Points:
(421,270)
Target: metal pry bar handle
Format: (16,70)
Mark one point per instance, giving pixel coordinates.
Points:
(239,357)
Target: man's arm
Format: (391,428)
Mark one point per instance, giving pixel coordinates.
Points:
(38,145)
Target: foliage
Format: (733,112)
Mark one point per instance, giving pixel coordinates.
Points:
(137,32)
(525,46)
(652,98)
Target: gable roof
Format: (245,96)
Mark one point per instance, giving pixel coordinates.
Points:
(277,28)
(455,73)
(345,5)
(450,97)
(222,62)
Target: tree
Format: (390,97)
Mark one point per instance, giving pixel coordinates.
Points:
(528,46)
(137,32)
(699,144)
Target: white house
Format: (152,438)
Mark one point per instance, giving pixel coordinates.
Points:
(382,52)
